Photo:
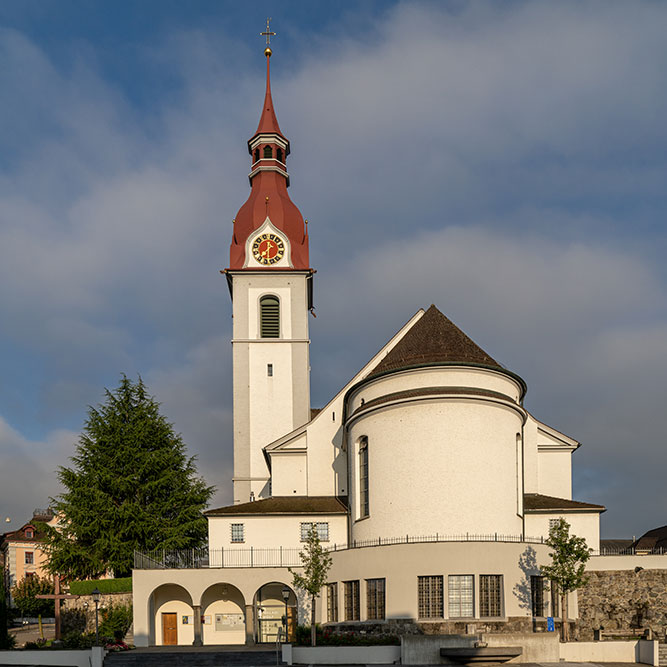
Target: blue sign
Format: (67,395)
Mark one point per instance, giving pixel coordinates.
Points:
(551,626)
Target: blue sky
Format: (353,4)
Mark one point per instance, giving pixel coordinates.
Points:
(505,161)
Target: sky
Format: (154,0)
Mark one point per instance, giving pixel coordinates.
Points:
(505,161)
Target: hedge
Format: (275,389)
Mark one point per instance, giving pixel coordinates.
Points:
(123,585)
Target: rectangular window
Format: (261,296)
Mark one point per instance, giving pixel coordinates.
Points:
(490,595)
(322,528)
(351,600)
(29,558)
(537,595)
(363,478)
(553,523)
(332,603)
(237,532)
(269,370)
(375,593)
(460,595)
(430,600)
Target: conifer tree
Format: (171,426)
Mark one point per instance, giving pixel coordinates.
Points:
(131,487)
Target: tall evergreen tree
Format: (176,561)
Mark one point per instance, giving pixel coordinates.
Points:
(131,487)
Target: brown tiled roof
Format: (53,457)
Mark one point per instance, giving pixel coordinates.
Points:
(314,412)
(535,502)
(432,391)
(653,539)
(433,339)
(287,505)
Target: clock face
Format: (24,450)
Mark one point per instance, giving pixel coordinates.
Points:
(268,249)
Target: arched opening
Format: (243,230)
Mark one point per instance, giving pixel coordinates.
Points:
(275,608)
(223,613)
(279,154)
(256,156)
(171,616)
(269,317)
(268,152)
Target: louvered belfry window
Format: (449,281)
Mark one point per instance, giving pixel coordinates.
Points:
(269,317)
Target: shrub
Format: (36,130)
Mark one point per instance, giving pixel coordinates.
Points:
(116,621)
(72,620)
(122,585)
(329,637)
(76,640)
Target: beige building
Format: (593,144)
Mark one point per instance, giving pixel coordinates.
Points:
(22,550)
(425,475)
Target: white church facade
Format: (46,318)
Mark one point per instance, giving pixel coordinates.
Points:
(425,476)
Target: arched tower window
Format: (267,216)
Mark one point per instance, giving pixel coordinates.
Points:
(268,152)
(256,154)
(269,317)
(363,478)
(279,154)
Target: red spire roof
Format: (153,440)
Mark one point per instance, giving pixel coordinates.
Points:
(269,181)
(268,123)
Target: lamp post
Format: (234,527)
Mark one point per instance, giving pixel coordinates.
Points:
(95,594)
(286,593)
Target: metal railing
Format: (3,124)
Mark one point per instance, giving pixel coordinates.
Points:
(628,551)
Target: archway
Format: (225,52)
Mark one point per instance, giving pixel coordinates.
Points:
(270,606)
(223,615)
(171,616)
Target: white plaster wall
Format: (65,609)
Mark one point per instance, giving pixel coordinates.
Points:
(288,475)
(555,473)
(623,651)
(444,466)
(327,462)
(402,564)
(586,525)
(272,531)
(439,376)
(174,599)
(226,600)
(605,563)
(530,465)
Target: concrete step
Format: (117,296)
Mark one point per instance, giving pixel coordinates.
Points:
(191,657)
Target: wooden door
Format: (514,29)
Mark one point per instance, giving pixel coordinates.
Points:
(169,629)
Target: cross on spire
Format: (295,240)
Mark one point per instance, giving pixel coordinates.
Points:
(267,33)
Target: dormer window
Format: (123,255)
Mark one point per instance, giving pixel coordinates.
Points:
(268,152)
(29,533)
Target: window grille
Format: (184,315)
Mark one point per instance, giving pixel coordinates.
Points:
(537,595)
(332,603)
(460,595)
(430,600)
(351,600)
(375,597)
(490,595)
(363,478)
(237,532)
(269,317)
(322,529)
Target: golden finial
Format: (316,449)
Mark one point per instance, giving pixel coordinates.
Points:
(268,34)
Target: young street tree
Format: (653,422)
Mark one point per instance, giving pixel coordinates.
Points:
(131,487)
(24,596)
(316,563)
(568,561)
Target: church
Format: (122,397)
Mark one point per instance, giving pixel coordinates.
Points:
(425,477)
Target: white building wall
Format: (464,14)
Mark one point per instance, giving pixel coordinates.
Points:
(272,531)
(586,525)
(555,473)
(446,466)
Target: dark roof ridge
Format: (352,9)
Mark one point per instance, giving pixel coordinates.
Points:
(286,505)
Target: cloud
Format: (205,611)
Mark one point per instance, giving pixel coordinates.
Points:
(504,162)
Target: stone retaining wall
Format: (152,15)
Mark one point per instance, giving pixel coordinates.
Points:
(86,603)
(623,600)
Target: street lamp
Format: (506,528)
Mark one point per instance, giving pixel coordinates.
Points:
(95,594)
(286,593)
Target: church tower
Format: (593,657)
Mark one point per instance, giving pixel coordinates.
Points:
(271,287)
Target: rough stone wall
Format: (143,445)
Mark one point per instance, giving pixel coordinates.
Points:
(623,600)
(86,603)
(473,626)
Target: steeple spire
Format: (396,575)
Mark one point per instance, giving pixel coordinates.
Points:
(269,180)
